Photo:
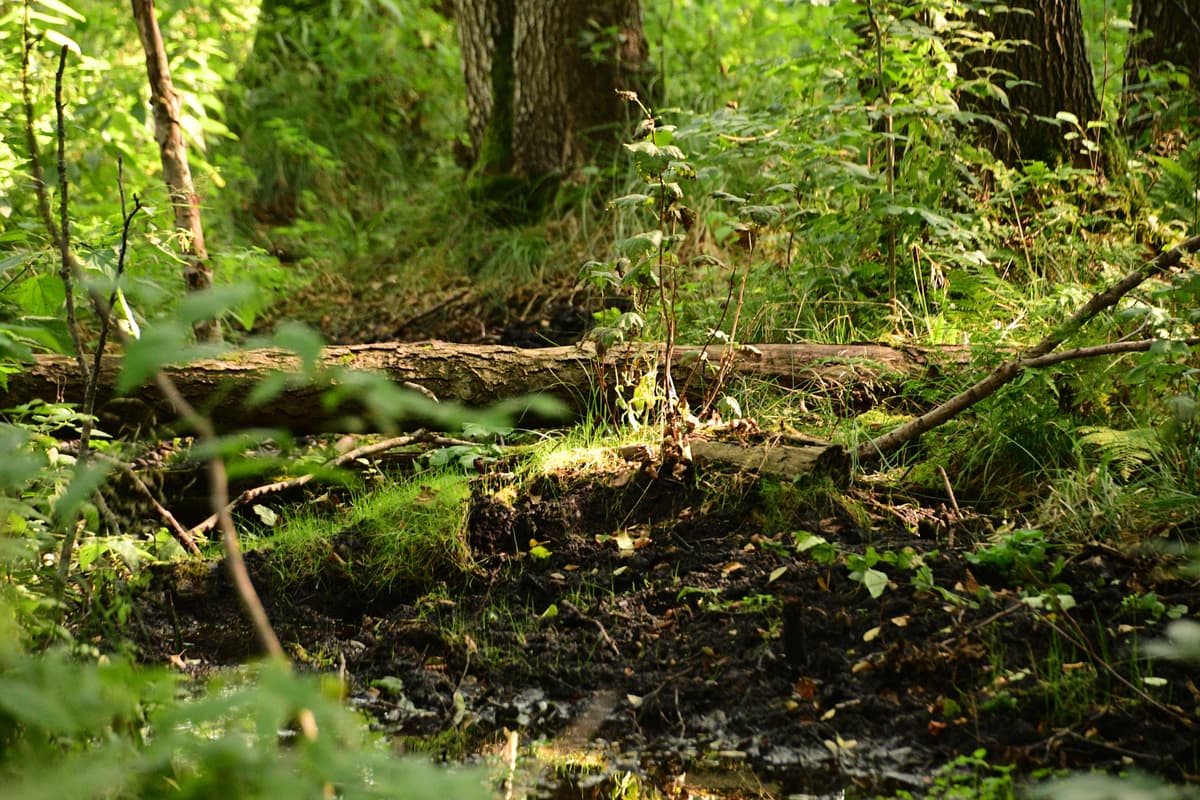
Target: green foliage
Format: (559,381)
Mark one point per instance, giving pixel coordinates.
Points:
(106,728)
(406,536)
(1020,555)
(971,777)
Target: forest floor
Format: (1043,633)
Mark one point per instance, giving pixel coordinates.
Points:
(693,631)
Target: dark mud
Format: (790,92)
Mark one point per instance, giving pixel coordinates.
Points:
(676,626)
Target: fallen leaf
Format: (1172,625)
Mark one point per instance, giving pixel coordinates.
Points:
(731,567)
(776,574)
(634,700)
(900,622)
(870,635)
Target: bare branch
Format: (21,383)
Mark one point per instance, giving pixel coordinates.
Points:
(1036,357)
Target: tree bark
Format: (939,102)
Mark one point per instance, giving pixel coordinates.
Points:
(1042,43)
(197,271)
(1165,31)
(541,82)
(475,375)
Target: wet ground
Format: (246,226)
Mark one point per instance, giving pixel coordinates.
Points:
(699,629)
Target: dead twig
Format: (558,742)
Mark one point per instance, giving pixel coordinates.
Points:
(178,531)
(569,606)
(1039,356)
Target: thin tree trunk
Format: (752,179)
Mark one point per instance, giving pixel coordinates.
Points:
(197,271)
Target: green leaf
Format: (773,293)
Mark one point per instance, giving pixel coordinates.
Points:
(60,7)
(214,302)
(631,200)
(62,40)
(11,348)
(144,357)
(85,481)
(874,580)
(40,295)
(641,243)
(302,340)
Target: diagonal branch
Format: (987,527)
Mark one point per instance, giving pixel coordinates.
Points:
(1038,356)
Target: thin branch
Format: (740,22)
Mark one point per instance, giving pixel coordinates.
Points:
(64,231)
(35,162)
(219,498)
(178,531)
(219,478)
(68,266)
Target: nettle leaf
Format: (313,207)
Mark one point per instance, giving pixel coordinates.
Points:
(763,216)
(653,160)
(681,169)
(40,295)
(641,243)
(727,197)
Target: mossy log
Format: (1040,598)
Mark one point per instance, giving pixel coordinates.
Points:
(474,375)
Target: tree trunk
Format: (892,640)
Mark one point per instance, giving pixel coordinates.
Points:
(1165,31)
(475,375)
(1042,43)
(197,271)
(541,82)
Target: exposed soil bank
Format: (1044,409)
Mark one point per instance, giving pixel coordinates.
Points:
(681,623)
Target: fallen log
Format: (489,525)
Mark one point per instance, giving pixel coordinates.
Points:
(473,375)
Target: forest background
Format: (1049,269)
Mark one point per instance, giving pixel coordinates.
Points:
(838,172)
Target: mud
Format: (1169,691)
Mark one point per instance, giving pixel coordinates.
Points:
(682,626)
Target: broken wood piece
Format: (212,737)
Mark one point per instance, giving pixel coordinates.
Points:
(776,460)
